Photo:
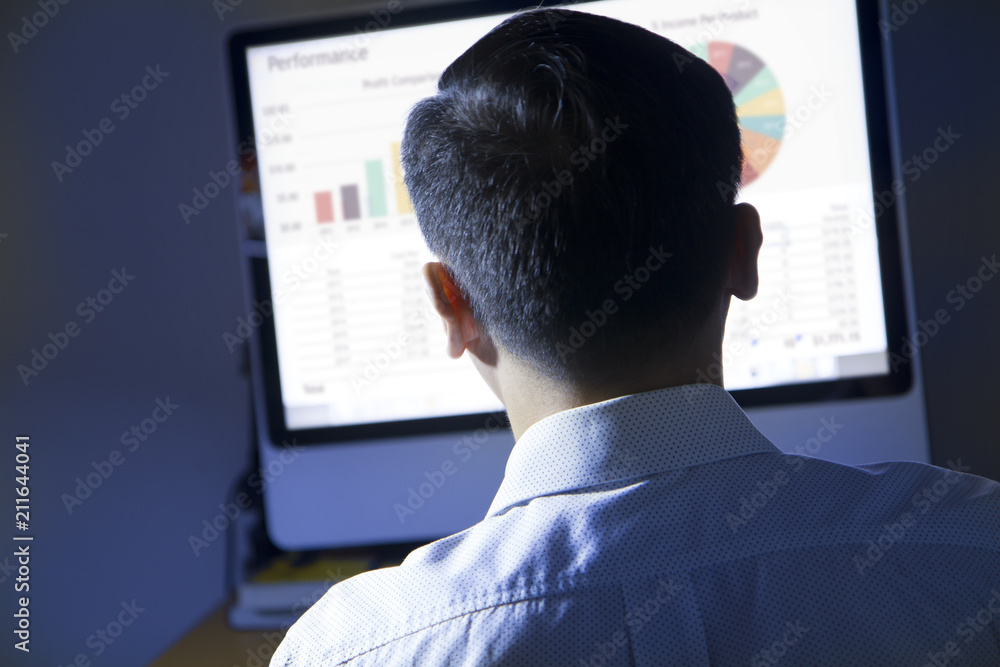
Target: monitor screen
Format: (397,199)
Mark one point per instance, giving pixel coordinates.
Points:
(351,346)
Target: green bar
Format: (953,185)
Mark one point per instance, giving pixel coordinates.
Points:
(376,189)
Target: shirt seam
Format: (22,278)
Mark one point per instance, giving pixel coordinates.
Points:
(425,628)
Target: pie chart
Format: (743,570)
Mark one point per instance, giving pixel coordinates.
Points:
(760,106)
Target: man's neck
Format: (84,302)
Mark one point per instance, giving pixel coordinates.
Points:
(531,397)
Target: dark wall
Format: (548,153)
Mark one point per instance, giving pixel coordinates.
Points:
(160,336)
(953,218)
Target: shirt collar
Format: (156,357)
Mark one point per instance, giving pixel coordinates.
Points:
(631,436)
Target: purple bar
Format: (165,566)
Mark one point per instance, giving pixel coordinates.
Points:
(352,204)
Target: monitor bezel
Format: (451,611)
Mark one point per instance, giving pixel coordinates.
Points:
(898,380)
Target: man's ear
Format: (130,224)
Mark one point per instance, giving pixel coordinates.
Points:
(743,276)
(460,327)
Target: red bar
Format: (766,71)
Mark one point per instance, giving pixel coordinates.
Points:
(324,207)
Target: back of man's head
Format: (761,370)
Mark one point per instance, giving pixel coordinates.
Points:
(563,157)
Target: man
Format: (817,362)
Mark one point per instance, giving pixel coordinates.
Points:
(576,169)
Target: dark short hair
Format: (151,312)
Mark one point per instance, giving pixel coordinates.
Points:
(561,152)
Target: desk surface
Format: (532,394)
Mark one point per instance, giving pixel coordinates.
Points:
(214,644)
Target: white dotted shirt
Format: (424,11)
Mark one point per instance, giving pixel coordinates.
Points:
(663,529)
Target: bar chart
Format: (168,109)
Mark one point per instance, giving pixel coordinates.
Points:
(366,198)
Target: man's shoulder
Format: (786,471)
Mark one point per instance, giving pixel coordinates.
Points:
(349,618)
(907,479)
(941,503)
(377,608)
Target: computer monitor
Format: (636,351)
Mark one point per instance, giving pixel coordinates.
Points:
(392,440)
